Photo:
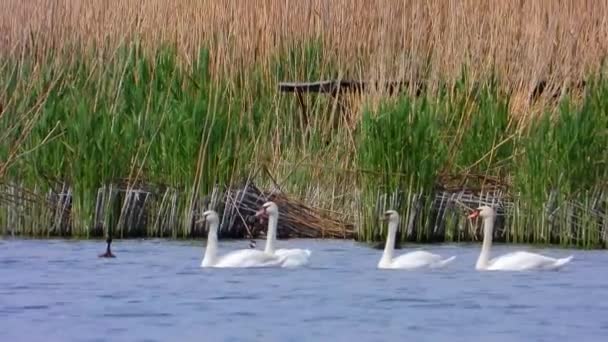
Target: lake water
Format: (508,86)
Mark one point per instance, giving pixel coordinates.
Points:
(155,291)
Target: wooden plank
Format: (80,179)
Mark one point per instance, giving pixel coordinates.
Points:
(333,86)
(309,87)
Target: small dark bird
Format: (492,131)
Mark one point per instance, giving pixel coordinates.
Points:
(108,253)
(252,244)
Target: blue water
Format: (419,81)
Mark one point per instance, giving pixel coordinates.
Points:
(155,291)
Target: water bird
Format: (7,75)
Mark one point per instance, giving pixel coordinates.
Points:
(515,261)
(108,253)
(411,260)
(252,244)
(239,258)
(295,257)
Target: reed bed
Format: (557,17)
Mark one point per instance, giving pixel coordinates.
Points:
(126,115)
(530,44)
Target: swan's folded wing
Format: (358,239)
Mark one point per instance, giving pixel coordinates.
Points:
(288,252)
(415,259)
(294,257)
(520,261)
(249,258)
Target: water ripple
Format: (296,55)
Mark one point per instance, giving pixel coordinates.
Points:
(405,300)
(9,262)
(137,315)
(61,291)
(229,297)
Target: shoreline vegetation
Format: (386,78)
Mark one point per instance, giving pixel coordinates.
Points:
(133,119)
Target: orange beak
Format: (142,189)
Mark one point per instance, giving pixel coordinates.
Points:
(261,212)
(474,214)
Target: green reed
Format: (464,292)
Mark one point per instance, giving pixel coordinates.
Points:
(402,148)
(556,166)
(479,127)
(148,118)
(562,161)
(134,118)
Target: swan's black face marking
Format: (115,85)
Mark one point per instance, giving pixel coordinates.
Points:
(385,217)
(210,217)
(483,212)
(390,215)
(268,208)
(262,212)
(474,213)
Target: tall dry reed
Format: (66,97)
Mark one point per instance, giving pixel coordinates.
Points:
(525,42)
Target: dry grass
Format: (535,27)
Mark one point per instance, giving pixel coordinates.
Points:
(522,41)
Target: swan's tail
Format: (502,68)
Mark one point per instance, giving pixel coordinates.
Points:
(561,262)
(444,262)
(296,261)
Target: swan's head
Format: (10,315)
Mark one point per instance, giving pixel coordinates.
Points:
(483,212)
(268,209)
(391,216)
(211,217)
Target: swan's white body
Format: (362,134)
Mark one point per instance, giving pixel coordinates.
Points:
(293,257)
(239,258)
(411,260)
(244,258)
(516,261)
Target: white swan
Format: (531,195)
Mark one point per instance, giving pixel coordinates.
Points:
(238,258)
(294,257)
(412,260)
(516,261)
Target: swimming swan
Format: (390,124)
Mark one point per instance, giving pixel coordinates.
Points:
(516,261)
(411,260)
(238,258)
(294,257)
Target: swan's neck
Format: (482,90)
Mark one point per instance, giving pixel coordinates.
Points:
(211,250)
(389,247)
(488,230)
(271,235)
